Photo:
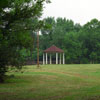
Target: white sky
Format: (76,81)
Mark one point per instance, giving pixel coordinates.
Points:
(80,11)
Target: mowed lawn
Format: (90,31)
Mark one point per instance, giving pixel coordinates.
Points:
(53,82)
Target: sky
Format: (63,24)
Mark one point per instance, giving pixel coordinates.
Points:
(80,11)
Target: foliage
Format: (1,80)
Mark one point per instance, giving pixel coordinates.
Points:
(18,20)
(80,43)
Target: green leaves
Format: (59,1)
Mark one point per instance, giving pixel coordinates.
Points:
(80,43)
(19,19)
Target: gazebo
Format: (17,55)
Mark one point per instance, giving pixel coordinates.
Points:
(53,49)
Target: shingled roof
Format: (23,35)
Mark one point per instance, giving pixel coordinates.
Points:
(53,49)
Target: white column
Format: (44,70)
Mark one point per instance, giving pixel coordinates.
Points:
(56,58)
(43,59)
(46,58)
(50,59)
(63,58)
(60,58)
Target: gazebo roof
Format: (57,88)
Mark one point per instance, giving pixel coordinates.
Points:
(53,49)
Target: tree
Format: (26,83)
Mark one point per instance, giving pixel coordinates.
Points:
(81,44)
(47,33)
(16,18)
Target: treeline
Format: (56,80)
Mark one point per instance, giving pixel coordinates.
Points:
(81,43)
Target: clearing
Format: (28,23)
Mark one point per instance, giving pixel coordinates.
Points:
(53,82)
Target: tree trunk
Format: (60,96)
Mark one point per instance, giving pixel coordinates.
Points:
(3,70)
(1,79)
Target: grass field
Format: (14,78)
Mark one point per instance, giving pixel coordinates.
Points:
(53,82)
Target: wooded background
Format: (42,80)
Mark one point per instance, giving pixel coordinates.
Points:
(81,43)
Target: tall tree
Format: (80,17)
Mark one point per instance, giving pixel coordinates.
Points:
(16,18)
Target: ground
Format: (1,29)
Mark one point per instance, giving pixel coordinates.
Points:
(53,82)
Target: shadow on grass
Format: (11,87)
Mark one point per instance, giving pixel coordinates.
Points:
(14,79)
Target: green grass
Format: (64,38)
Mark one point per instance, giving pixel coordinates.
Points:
(53,82)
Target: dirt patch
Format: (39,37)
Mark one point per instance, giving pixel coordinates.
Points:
(75,74)
(7,93)
(80,76)
(49,77)
(58,97)
(94,98)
